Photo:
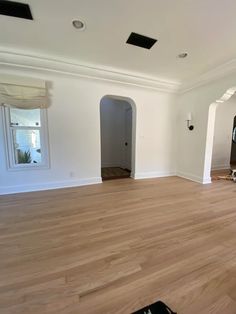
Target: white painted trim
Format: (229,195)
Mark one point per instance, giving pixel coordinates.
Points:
(210,131)
(149,175)
(192,177)
(70,67)
(207,180)
(9,150)
(26,60)
(132,175)
(49,185)
(210,76)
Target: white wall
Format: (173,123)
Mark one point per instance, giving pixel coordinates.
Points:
(74,132)
(113,132)
(224,121)
(192,149)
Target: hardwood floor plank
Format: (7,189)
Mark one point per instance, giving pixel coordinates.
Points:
(115,247)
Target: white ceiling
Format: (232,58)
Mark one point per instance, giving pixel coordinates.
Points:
(206,29)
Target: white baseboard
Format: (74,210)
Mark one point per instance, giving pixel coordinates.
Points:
(192,177)
(149,175)
(49,186)
(132,175)
(206,180)
(95,180)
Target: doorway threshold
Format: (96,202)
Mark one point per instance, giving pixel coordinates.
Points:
(111,173)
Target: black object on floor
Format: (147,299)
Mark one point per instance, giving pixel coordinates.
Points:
(156,308)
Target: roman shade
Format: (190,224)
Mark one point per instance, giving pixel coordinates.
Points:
(23,93)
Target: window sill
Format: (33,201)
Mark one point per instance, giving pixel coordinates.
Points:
(28,168)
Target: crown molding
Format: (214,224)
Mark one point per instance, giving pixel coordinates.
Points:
(209,76)
(17,60)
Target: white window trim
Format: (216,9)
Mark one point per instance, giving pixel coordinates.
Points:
(9,149)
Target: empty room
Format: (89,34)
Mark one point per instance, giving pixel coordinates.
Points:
(117,157)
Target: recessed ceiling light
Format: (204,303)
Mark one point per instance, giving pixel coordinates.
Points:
(183,55)
(78,24)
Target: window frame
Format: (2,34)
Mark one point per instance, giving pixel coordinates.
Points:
(9,142)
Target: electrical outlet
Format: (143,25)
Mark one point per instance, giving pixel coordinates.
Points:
(72,174)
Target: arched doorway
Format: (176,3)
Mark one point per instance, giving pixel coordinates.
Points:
(117,127)
(210,132)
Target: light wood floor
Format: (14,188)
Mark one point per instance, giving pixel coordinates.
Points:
(217,174)
(117,246)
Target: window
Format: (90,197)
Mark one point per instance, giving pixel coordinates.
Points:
(27,145)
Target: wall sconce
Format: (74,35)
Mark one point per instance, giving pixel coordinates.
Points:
(189,119)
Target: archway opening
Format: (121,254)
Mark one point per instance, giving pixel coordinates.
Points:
(219,140)
(117,126)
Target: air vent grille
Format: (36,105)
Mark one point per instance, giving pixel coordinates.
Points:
(141,41)
(15,9)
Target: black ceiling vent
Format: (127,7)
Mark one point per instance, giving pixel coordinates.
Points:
(141,41)
(16,9)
